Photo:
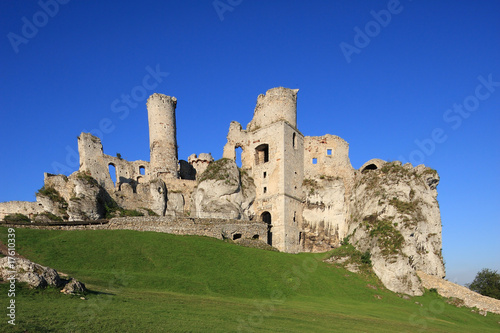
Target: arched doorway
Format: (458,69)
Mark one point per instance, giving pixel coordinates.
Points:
(266,217)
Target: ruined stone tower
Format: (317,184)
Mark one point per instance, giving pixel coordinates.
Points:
(273,151)
(162,136)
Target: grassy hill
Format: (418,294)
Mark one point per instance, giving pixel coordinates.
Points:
(154,282)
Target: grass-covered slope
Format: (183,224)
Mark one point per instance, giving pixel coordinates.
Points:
(154,282)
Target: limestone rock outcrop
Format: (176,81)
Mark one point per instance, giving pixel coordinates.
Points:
(224,191)
(35,275)
(395,216)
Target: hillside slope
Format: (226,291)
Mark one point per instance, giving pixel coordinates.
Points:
(145,281)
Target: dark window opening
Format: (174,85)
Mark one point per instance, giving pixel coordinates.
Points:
(255,237)
(294,140)
(369,167)
(266,218)
(265,174)
(236,236)
(262,154)
(142,170)
(265,189)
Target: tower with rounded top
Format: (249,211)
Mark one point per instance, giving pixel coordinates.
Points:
(162,136)
(278,104)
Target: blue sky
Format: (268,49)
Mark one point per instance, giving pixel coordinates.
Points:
(414,80)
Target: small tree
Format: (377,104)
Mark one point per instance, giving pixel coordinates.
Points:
(487,283)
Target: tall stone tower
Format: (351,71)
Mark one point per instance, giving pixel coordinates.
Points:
(273,153)
(162,136)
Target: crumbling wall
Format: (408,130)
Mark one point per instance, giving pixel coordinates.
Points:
(27,208)
(327,156)
(96,163)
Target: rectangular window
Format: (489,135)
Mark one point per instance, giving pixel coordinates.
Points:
(265,189)
(329,152)
(315,161)
(265,174)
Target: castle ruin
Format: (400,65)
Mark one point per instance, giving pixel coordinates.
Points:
(302,189)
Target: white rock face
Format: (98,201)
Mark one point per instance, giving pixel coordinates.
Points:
(35,275)
(223,192)
(395,216)
(324,222)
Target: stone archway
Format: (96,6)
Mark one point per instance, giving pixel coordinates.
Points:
(266,217)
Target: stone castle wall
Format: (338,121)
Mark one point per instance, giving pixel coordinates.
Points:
(20,207)
(212,227)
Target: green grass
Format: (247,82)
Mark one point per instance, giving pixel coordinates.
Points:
(153,282)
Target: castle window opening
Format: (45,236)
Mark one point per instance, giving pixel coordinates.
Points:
(265,174)
(294,140)
(237,152)
(369,167)
(255,237)
(139,181)
(142,170)
(266,218)
(112,172)
(329,152)
(265,189)
(262,154)
(236,236)
(314,160)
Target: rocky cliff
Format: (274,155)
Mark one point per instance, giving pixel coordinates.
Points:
(394,214)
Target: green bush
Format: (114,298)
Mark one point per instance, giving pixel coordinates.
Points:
(16,218)
(366,258)
(51,217)
(389,239)
(150,211)
(87,177)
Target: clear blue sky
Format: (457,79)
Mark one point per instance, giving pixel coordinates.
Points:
(389,77)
